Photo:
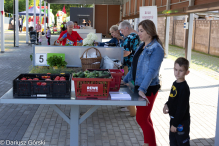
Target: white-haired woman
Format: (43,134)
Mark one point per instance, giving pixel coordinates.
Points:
(117,36)
(69,36)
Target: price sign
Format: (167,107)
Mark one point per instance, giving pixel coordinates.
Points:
(40,59)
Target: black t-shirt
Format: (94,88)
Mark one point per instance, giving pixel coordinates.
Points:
(135,62)
(178,103)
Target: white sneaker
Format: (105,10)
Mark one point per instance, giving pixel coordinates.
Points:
(124,109)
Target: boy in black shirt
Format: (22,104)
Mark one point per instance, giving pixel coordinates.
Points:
(178,105)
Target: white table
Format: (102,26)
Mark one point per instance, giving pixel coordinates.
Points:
(75,119)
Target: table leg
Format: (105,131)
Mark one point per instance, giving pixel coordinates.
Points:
(74,125)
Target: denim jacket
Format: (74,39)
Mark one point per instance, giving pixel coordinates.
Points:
(148,66)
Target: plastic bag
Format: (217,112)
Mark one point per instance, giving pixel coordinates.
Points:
(90,54)
(107,63)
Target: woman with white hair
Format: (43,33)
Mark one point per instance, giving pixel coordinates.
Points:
(117,37)
(69,37)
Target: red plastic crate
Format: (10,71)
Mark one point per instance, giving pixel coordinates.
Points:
(117,76)
(92,88)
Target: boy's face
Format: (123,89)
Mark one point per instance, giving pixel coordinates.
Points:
(180,72)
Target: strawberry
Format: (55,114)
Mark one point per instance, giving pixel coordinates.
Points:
(29,79)
(38,83)
(23,78)
(48,80)
(62,79)
(43,84)
(35,79)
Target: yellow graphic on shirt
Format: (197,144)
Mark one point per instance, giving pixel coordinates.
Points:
(173,92)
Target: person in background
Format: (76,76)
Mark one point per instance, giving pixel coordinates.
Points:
(76,26)
(178,105)
(48,35)
(38,29)
(117,37)
(54,29)
(144,72)
(89,23)
(130,44)
(40,38)
(20,23)
(69,37)
(63,28)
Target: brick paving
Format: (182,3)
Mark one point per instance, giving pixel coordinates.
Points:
(107,126)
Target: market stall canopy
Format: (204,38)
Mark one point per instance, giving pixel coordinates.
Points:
(97,2)
(31,12)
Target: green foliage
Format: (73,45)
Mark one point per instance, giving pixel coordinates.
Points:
(8,5)
(92,74)
(56,61)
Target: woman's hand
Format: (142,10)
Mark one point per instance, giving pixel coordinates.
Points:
(126,53)
(96,43)
(144,96)
(123,83)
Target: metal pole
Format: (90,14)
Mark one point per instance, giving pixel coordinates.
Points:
(40,11)
(48,14)
(74,125)
(167,36)
(27,26)
(34,15)
(2,27)
(217,126)
(44,17)
(14,21)
(16,24)
(189,52)
(94,16)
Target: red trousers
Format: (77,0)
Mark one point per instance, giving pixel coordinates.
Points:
(143,118)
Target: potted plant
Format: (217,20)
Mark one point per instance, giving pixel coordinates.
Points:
(56,61)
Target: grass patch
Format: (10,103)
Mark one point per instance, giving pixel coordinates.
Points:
(202,62)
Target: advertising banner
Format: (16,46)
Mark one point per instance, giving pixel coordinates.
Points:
(149,12)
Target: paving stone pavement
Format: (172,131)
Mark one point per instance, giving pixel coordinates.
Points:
(108,126)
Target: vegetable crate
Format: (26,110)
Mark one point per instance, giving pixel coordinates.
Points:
(92,88)
(42,85)
(117,76)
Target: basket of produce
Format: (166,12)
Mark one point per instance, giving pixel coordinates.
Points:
(42,85)
(92,84)
(92,63)
(116,75)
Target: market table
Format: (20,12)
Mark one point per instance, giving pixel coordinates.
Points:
(75,119)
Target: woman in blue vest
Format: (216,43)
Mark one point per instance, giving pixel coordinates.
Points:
(117,37)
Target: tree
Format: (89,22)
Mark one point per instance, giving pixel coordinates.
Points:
(31,2)
(8,5)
